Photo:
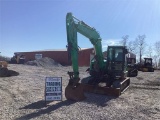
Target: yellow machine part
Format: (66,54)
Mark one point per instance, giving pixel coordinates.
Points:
(3,64)
(4,72)
(145,69)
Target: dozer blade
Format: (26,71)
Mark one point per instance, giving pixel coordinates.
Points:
(74,93)
(147,69)
(124,84)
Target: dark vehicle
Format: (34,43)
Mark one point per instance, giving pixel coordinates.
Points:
(18,59)
(132,67)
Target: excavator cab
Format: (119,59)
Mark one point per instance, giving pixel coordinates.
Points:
(116,61)
(117,67)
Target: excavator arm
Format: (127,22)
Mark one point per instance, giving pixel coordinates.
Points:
(75,26)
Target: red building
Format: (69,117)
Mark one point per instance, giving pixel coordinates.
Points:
(61,56)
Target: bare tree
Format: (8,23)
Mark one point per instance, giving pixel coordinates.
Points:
(149,51)
(132,47)
(140,43)
(155,60)
(130,44)
(157,49)
(124,40)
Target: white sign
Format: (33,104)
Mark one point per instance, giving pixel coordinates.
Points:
(53,88)
(38,56)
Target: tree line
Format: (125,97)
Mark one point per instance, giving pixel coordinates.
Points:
(140,47)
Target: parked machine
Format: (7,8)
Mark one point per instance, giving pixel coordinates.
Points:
(5,72)
(107,76)
(3,69)
(18,59)
(132,67)
(147,66)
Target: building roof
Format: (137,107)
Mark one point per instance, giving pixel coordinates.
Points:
(52,50)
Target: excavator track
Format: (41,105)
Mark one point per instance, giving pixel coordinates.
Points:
(77,93)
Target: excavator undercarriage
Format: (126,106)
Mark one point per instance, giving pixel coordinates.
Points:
(77,91)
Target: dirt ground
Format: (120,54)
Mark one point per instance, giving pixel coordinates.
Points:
(22,98)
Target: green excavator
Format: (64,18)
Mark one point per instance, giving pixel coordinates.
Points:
(106,75)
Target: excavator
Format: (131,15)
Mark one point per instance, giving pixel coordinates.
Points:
(107,76)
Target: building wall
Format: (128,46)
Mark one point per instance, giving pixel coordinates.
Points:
(62,56)
(131,55)
(84,57)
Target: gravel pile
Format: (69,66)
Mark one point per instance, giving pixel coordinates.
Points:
(22,98)
(44,62)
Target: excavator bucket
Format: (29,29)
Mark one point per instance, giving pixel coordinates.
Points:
(75,93)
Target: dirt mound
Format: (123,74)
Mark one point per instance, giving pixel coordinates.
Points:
(44,62)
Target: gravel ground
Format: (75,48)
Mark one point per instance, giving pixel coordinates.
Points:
(22,98)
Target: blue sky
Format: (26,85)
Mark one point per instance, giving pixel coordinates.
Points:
(30,25)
